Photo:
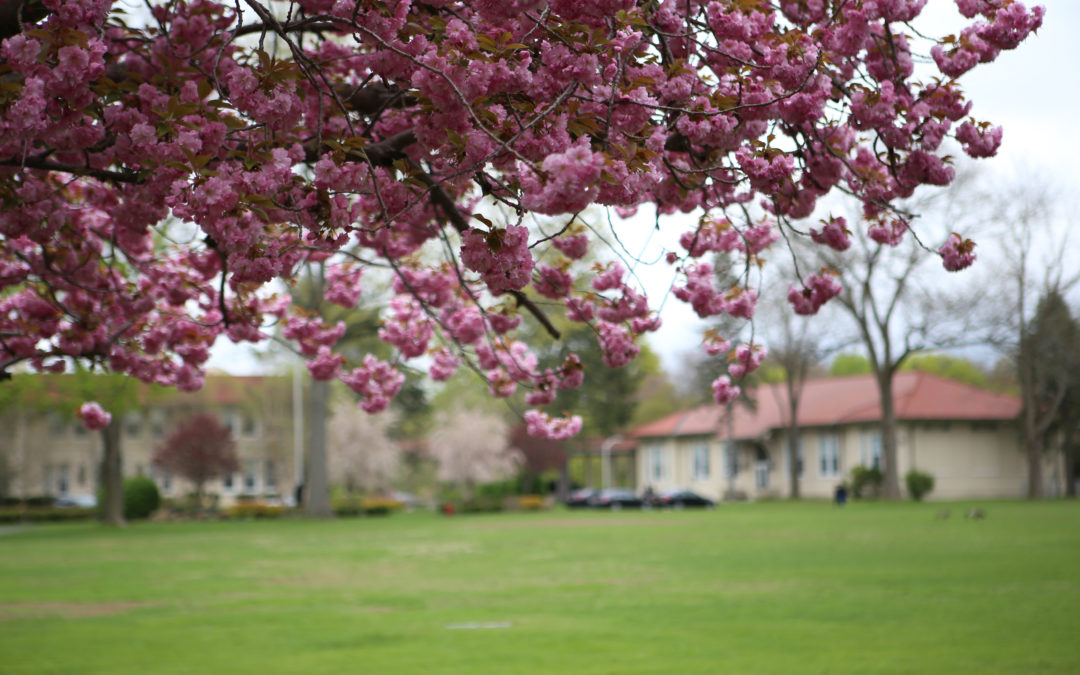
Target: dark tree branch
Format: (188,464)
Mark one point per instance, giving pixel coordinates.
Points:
(75,170)
(14,13)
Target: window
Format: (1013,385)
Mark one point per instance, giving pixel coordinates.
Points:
(57,425)
(269,477)
(799,463)
(761,468)
(46,479)
(658,464)
(829,455)
(251,469)
(166,481)
(227,481)
(700,459)
(731,460)
(81,479)
(248,428)
(157,423)
(62,479)
(870,450)
(133,423)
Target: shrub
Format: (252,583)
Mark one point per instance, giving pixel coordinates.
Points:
(866,482)
(42,514)
(531,503)
(251,509)
(368,506)
(919,484)
(141,498)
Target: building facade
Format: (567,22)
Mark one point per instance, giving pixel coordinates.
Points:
(967,438)
(48,452)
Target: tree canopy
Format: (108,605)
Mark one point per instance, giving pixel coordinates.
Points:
(164,171)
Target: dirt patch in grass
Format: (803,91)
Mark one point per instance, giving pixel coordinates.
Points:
(15,611)
(609,520)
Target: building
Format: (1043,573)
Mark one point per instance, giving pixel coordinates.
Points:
(48,452)
(966,437)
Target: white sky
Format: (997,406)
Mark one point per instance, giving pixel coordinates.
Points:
(1033,92)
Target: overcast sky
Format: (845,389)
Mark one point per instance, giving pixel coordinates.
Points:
(1033,92)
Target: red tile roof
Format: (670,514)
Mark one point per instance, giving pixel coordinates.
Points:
(842,400)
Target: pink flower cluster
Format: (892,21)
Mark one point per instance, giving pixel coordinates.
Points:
(501,257)
(153,203)
(93,416)
(818,289)
(957,253)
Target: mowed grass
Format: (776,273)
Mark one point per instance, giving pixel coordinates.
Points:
(753,588)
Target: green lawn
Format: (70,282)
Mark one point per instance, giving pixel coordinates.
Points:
(758,588)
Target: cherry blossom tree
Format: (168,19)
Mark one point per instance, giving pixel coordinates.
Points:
(163,173)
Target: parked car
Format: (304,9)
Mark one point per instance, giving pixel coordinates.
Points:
(580,498)
(616,499)
(680,498)
(75,502)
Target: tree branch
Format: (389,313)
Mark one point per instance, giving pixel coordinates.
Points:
(14,13)
(524,301)
(75,170)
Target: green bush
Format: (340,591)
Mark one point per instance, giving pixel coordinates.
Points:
(866,482)
(41,514)
(919,484)
(141,498)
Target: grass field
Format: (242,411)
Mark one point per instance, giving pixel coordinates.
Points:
(755,588)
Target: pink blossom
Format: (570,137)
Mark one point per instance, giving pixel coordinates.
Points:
(819,289)
(957,253)
(834,234)
(443,365)
(543,426)
(724,391)
(93,416)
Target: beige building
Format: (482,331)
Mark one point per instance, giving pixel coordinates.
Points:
(47,452)
(965,437)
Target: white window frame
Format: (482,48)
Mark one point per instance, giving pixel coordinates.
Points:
(871,452)
(658,464)
(700,462)
(828,455)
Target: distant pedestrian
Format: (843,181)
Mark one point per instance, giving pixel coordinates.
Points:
(841,494)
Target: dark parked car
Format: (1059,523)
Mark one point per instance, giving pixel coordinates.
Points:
(680,498)
(580,498)
(616,499)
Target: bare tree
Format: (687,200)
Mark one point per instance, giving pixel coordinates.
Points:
(361,453)
(1035,271)
(472,447)
(796,344)
(897,312)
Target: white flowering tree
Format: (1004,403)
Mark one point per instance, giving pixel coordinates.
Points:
(362,456)
(472,447)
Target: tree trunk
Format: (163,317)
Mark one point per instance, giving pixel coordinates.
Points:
(1070,465)
(112,508)
(1033,450)
(793,439)
(793,460)
(316,482)
(890,488)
